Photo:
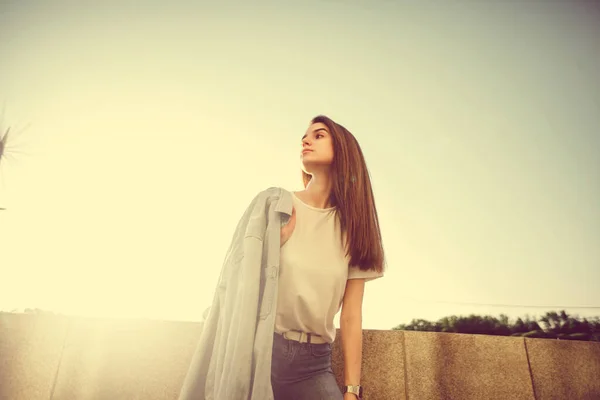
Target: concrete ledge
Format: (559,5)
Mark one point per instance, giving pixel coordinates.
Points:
(47,357)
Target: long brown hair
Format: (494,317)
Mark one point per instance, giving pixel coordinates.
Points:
(352,195)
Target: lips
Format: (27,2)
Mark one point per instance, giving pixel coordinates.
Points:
(306,151)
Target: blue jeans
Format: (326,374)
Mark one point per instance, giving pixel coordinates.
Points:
(302,371)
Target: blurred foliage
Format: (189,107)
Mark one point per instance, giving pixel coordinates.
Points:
(551,325)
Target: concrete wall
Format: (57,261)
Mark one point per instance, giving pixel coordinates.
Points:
(46,357)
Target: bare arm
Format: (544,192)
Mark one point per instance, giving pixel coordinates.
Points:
(351,326)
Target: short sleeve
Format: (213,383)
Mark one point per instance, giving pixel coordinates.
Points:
(357,273)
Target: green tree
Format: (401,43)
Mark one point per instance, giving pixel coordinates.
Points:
(555,325)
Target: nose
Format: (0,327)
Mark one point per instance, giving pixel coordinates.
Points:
(305,142)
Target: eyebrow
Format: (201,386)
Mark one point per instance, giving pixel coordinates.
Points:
(315,131)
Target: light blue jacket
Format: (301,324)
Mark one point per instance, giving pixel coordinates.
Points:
(233,358)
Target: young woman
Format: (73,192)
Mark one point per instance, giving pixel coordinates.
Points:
(330,246)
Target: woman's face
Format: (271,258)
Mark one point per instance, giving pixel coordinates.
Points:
(317,147)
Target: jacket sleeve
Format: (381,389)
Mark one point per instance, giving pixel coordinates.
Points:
(224,325)
(235,342)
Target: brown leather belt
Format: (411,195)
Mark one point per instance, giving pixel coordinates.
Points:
(303,337)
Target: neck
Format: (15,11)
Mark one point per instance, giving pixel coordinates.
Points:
(318,191)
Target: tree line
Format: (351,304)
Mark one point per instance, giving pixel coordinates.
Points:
(551,325)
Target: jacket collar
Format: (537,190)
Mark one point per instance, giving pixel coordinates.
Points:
(285,202)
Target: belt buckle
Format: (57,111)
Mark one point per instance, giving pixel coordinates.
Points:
(307,337)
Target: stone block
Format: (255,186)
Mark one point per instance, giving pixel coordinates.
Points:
(466,367)
(564,369)
(30,350)
(382,365)
(125,359)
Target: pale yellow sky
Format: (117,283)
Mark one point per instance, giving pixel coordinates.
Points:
(152,128)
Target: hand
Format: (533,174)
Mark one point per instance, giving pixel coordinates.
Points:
(287,229)
(350,396)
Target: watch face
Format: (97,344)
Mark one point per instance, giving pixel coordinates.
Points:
(354,389)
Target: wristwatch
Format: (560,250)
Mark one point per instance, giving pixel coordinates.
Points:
(356,389)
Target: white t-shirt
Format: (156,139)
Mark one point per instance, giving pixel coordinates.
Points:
(313,272)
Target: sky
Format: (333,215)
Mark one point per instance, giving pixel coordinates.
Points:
(139,135)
